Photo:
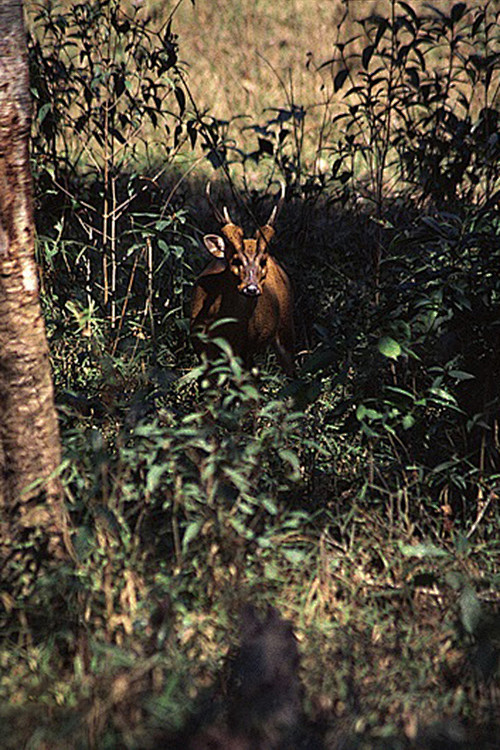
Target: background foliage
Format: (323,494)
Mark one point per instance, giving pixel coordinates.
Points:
(361,498)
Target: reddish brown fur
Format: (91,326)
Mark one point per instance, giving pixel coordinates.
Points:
(246,283)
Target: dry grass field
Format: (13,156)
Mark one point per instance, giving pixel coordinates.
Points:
(246,60)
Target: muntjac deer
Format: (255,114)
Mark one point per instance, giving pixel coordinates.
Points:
(245,283)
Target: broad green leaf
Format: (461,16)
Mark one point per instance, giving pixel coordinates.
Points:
(389,347)
(470,610)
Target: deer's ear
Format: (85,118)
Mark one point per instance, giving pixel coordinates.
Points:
(215,245)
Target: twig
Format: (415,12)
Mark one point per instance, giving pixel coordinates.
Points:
(480,515)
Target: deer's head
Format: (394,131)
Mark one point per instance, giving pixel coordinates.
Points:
(247,259)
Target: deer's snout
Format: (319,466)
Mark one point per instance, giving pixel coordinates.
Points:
(251,290)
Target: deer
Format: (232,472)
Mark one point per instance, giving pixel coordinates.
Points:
(243,283)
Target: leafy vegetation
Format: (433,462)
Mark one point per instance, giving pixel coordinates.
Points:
(361,498)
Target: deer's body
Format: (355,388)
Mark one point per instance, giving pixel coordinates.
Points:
(245,283)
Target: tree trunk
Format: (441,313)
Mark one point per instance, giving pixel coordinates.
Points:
(30,452)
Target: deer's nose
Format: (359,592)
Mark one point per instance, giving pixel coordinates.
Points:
(251,290)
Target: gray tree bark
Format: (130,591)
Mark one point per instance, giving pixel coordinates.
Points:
(30,451)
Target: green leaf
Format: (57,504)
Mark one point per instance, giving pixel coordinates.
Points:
(240,528)
(367,55)
(237,478)
(368,431)
(408,9)
(294,556)
(265,146)
(442,395)
(154,475)
(470,610)
(264,543)
(389,347)
(408,421)
(400,392)
(181,99)
(270,506)
(192,531)
(457,11)
(291,458)
(250,391)
(340,79)
(423,549)
(461,375)
(363,412)
(43,111)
